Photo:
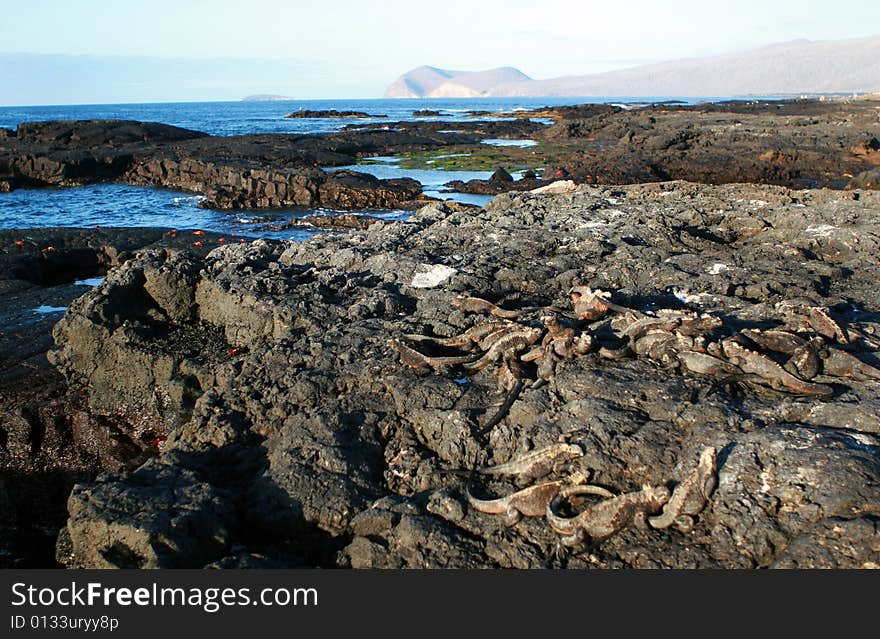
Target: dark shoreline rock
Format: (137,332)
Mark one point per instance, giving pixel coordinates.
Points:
(310,423)
(794,143)
(499,182)
(92,133)
(236,187)
(49,437)
(336,222)
(252,171)
(332,113)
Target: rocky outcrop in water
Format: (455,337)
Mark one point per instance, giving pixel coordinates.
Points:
(64,154)
(331,113)
(296,431)
(237,186)
(499,182)
(254,171)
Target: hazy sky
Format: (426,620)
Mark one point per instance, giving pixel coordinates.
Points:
(344,48)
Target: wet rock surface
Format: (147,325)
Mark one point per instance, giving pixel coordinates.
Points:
(289,429)
(49,439)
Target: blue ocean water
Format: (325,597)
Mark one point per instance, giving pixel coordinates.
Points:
(237,118)
(129,206)
(122,205)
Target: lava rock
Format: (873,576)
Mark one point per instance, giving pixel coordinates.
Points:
(275,368)
(331,113)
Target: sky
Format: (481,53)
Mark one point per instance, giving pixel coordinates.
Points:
(89,51)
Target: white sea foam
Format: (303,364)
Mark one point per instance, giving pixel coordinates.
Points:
(187,200)
(390,159)
(45,310)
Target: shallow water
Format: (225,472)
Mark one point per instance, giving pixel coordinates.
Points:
(91,281)
(519,143)
(46,310)
(123,205)
(132,206)
(432,179)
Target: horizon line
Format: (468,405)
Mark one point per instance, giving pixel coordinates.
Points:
(586,98)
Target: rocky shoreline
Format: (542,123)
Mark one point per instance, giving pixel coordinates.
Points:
(798,143)
(277,404)
(236,172)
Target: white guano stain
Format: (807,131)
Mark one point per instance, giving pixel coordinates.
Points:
(431,276)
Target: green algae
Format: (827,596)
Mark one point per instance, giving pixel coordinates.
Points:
(474,157)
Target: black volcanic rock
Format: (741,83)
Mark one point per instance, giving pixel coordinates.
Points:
(91,133)
(797,143)
(50,437)
(499,182)
(332,113)
(264,382)
(231,185)
(233,173)
(513,129)
(296,429)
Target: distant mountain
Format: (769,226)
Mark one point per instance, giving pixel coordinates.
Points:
(431,82)
(266,97)
(797,67)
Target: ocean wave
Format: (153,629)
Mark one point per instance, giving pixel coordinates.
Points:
(188,200)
